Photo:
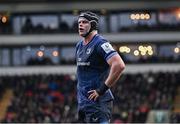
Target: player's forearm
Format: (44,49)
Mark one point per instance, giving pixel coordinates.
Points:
(116,67)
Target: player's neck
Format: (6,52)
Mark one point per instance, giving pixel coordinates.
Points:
(89,37)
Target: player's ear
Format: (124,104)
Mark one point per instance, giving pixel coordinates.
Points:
(94,25)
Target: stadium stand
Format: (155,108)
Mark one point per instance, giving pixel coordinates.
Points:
(52,98)
(37,63)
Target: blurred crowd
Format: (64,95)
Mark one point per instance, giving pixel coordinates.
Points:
(145,27)
(153,59)
(48,61)
(42,98)
(144,60)
(3,86)
(29,28)
(52,98)
(63,26)
(137,94)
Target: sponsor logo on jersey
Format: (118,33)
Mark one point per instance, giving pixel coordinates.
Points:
(107,47)
(83,63)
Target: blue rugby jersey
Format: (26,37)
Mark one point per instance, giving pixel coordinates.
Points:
(92,68)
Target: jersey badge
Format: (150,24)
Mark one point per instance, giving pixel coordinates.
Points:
(107,47)
(88,51)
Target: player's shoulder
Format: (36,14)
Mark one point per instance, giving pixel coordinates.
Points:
(105,45)
(101,40)
(79,43)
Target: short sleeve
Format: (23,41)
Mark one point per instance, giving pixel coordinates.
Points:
(106,50)
(77,48)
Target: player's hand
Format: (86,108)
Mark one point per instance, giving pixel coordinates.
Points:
(93,95)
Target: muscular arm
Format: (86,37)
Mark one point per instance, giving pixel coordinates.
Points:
(116,67)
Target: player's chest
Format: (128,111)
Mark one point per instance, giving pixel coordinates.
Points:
(85,53)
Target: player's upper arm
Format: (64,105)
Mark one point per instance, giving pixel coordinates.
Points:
(116,61)
(105,50)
